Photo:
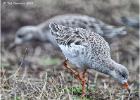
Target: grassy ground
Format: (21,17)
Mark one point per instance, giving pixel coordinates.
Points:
(42,77)
(36,73)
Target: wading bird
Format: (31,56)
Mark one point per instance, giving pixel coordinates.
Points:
(42,33)
(87,50)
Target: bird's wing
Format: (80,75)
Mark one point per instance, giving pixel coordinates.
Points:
(85,22)
(89,23)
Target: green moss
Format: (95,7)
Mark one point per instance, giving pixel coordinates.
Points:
(49,61)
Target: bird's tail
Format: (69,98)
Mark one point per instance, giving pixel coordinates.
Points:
(110,31)
(131,21)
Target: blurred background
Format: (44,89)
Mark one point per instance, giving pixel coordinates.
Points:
(27,69)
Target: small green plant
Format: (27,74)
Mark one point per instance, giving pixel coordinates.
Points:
(16,98)
(3,65)
(77,90)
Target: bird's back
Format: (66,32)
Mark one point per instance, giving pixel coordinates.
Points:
(86,22)
(80,46)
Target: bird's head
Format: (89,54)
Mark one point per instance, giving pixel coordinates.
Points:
(120,73)
(24,35)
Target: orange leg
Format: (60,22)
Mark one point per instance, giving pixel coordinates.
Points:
(70,69)
(84,83)
(80,76)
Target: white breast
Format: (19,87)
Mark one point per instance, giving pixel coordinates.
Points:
(74,53)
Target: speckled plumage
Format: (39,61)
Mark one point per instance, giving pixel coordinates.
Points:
(87,22)
(88,50)
(82,44)
(42,33)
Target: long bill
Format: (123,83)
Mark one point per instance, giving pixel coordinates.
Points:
(126,86)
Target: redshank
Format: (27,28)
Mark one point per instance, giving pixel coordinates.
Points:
(87,50)
(42,33)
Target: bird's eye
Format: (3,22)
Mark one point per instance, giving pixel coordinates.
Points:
(20,36)
(123,75)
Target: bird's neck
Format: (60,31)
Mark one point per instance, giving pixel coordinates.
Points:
(39,35)
(45,35)
(112,66)
(106,66)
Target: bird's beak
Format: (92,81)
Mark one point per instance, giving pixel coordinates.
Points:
(126,86)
